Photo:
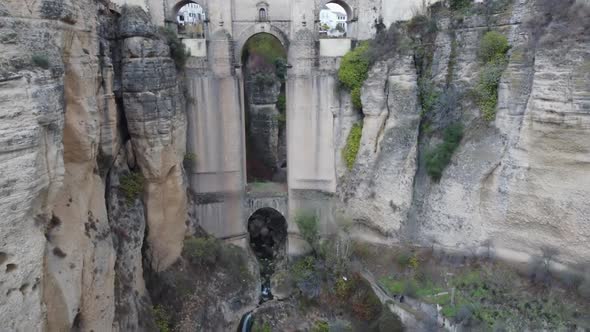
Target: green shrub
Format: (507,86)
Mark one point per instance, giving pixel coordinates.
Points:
(309,228)
(178,51)
(487,88)
(385,43)
(281,68)
(428,95)
(282,103)
(492,52)
(344,288)
(493,47)
(234,259)
(303,267)
(460,4)
(320,326)
(189,161)
(162,318)
(202,250)
(41,61)
(438,158)
(422,25)
(261,327)
(132,186)
(353,143)
(354,70)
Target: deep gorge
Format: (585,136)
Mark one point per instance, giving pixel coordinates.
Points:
(426,169)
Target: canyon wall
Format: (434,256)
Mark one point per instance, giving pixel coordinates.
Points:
(518,183)
(93,136)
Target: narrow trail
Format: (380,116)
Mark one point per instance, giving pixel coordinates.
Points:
(414,315)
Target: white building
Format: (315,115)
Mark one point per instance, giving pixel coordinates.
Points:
(333,23)
(191,14)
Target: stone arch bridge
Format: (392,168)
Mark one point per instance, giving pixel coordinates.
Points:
(318,115)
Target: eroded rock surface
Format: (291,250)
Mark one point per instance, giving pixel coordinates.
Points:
(71,241)
(518,183)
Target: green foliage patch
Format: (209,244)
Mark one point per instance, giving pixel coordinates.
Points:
(41,61)
(320,326)
(307,222)
(266,46)
(493,47)
(438,158)
(189,161)
(492,52)
(354,70)
(353,144)
(178,51)
(132,185)
(428,95)
(282,103)
(210,252)
(460,4)
(202,250)
(162,318)
(261,327)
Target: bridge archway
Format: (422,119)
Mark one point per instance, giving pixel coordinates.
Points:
(349,10)
(254,30)
(175,6)
(267,230)
(264,63)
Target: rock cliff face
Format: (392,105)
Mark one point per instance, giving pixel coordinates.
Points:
(519,183)
(93,135)
(92,138)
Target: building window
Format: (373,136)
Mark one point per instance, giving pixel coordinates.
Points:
(262,14)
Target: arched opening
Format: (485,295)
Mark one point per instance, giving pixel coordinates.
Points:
(191,18)
(264,60)
(335,18)
(262,16)
(267,229)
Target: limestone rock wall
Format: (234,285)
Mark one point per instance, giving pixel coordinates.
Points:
(519,183)
(31,166)
(156,122)
(86,98)
(381,183)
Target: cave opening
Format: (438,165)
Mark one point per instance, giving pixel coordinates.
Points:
(264,60)
(267,229)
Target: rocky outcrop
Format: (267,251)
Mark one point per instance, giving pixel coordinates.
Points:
(380,185)
(127,222)
(157,126)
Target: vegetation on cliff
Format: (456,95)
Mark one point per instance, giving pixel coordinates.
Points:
(178,51)
(353,144)
(492,53)
(132,186)
(41,61)
(438,158)
(208,275)
(354,70)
